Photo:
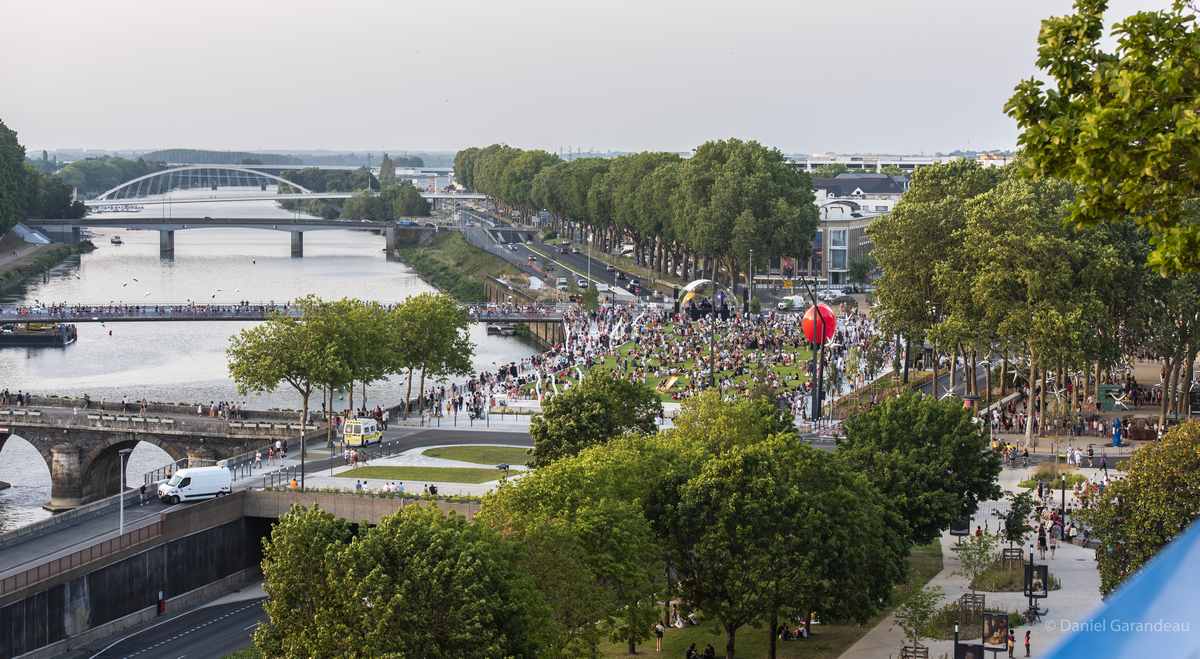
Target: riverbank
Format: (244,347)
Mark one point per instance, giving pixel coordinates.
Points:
(21,262)
(456,267)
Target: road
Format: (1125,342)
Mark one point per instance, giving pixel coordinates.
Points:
(210,632)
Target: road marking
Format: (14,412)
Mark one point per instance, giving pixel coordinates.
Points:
(252,626)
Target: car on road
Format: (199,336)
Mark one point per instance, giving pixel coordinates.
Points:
(512,247)
(574,250)
(562,249)
(531,258)
(561,284)
(196,484)
(619,275)
(581,282)
(610,268)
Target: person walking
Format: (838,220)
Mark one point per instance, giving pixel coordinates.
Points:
(1012,643)
(1028,633)
(1053,544)
(658,636)
(142,495)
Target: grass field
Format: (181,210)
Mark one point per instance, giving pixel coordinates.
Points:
(484,455)
(794,375)
(827,641)
(427,474)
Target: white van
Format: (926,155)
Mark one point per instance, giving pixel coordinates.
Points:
(561,283)
(196,484)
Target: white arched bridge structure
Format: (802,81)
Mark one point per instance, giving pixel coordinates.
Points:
(153,188)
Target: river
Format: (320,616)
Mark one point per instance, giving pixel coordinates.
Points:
(185,361)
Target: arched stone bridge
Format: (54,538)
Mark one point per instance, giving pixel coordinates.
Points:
(81,447)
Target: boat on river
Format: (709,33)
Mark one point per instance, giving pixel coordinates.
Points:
(37,335)
(116,240)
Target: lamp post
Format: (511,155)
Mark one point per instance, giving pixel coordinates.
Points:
(1062,511)
(123,459)
(956,637)
(750,281)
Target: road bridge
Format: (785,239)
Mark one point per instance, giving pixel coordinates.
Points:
(251,311)
(81,445)
(129,203)
(396,232)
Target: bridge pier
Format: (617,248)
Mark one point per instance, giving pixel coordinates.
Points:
(297,244)
(66,478)
(166,244)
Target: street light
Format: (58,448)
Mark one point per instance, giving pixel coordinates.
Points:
(124,459)
(1062,511)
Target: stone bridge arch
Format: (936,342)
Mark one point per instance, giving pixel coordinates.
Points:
(83,461)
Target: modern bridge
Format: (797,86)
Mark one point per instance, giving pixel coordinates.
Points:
(151,188)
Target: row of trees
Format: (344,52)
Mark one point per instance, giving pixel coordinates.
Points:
(1003,274)
(684,217)
(727,511)
(334,345)
(26,191)
(91,176)
(394,201)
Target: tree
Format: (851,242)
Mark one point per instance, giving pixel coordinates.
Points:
(1016,518)
(829,171)
(1118,124)
(928,458)
(860,269)
(282,350)
(387,172)
(420,584)
(430,333)
(775,528)
(297,556)
(406,201)
(976,555)
(591,412)
(12,179)
(914,615)
(1138,515)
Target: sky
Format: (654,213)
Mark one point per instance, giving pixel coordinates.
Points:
(806,76)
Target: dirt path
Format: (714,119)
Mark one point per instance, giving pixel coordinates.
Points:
(15,252)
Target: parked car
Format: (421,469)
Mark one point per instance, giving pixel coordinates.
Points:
(196,484)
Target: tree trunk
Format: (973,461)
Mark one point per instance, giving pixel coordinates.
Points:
(421,394)
(933,352)
(774,635)
(730,636)
(907,357)
(1030,403)
(1096,384)
(303,421)
(1042,402)
(364,392)
(408,393)
(1003,375)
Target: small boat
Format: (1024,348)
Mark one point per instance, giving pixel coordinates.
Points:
(501,330)
(116,240)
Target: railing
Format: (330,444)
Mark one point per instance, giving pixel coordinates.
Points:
(63,519)
(57,566)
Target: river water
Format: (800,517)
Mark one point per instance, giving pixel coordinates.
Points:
(185,361)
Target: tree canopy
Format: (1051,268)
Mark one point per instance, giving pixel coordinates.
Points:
(929,458)
(1120,125)
(1139,514)
(730,198)
(591,412)
(26,191)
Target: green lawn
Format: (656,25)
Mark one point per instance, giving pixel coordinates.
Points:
(484,455)
(827,641)
(435,474)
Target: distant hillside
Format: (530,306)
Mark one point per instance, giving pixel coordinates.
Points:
(203,157)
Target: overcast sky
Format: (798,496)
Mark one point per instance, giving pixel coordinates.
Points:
(803,75)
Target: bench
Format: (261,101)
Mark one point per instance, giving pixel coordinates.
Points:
(167,422)
(122,419)
(236,424)
(18,412)
(5,412)
(34,413)
(94,417)
(108,418)
(137,419)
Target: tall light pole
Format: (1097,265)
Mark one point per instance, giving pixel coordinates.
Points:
(750,280)
(123,459)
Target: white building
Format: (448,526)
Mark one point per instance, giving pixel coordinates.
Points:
(847,204)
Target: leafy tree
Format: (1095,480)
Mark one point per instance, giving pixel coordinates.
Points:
(12,178)
(1116,123)
(860,269)
(430,334)
(930,460)
(775,528)
(420,584)
(591,412)
(915,613)
(975,555)
(406,201)
(829,171)
(298,555)
(712,424)
(1138,515)
(1016,518)
(282,350)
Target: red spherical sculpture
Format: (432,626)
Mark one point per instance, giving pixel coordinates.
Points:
(819,331)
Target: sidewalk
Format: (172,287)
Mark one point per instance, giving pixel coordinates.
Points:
(1075,566)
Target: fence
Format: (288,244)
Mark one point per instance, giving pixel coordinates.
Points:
(75,559)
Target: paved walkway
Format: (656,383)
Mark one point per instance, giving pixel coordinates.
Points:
(413,458)
(1075,566)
